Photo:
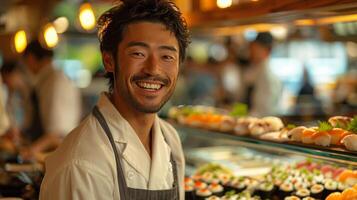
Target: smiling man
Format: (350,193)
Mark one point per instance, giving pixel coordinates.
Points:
(123,150)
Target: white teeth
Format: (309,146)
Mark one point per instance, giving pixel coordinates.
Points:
(151,86)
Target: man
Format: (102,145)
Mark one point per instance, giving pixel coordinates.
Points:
(123,150)
(55,105)
(259,88)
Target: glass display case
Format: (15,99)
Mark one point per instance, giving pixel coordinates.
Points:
(196,141)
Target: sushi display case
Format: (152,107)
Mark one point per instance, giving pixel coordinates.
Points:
(221,165)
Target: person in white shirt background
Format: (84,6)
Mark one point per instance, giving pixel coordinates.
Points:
(55,104)
(260,89)
(123,150)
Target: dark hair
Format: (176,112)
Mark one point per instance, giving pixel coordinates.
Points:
(265,39)
(35,48)
(113,22)
(8,67)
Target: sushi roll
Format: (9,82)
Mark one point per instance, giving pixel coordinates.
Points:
(302,193)
(285,190)
(213,198)
(189,181)
(291,198)
(224,178)
(350,142)
(265,190)
(341,186)
(216,189)
(330,187)
(238,186)
(322,138)
(207,177)
(196,177)
(200,185)
(317,191)
(348,177)
(189,192)
(295,134)
(308,198)
(202,194)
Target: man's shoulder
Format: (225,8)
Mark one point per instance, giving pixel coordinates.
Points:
(85,143)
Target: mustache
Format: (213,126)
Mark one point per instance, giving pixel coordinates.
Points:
(147,77)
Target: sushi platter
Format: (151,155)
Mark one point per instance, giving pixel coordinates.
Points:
(335,138)
(306,180)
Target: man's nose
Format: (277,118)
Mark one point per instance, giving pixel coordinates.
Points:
(152,65)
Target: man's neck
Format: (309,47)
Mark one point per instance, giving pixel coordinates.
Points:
(142,123)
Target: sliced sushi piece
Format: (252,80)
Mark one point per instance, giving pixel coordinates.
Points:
(302,193)
(216,189)
(265,190)
(213,198)
(258,127)
(189,181)
(317,191)
(336,135)
(207,177)
(189,192)
(350,142)
(242,124)
(200,185)
(285,190)
(292,198)
(341,186)
(330,187)
(227,124)
(349,194)
(322,138)
(340,121)
(334,196)
(308,198)
(202,194)
(295,134)
(275,123)
(348,177)
(307,136)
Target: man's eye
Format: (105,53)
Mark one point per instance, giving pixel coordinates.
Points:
(168,58)
(137,54)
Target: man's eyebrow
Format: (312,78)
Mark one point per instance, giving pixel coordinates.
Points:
(143,44)
(170,48)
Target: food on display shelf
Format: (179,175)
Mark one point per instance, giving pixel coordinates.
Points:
(338,131)
(304,180)
(347,194)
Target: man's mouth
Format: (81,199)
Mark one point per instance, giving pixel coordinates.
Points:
(149,85)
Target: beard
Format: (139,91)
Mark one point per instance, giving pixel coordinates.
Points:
(134,102)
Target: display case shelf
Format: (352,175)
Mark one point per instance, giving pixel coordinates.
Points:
(336,155)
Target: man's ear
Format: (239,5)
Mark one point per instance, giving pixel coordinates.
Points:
(108,62)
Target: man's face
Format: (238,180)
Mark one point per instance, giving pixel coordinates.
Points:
(147,66)
(257,53)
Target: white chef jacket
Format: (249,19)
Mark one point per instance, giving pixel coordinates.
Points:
(84,167)
(267,90)
(59,101)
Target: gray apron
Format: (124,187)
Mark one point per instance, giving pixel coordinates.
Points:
(127,193)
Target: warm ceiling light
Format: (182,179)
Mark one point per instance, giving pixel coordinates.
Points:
(304,22)
(336,19)
(61,24)
(20,41)
(86,16)
(224,3)
(50,35)
(255,0)
(279,32)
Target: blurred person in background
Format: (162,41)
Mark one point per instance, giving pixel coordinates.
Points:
(260,89)
(55,103)
(123,150)
(344,96)
(4,119)
(17,95)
